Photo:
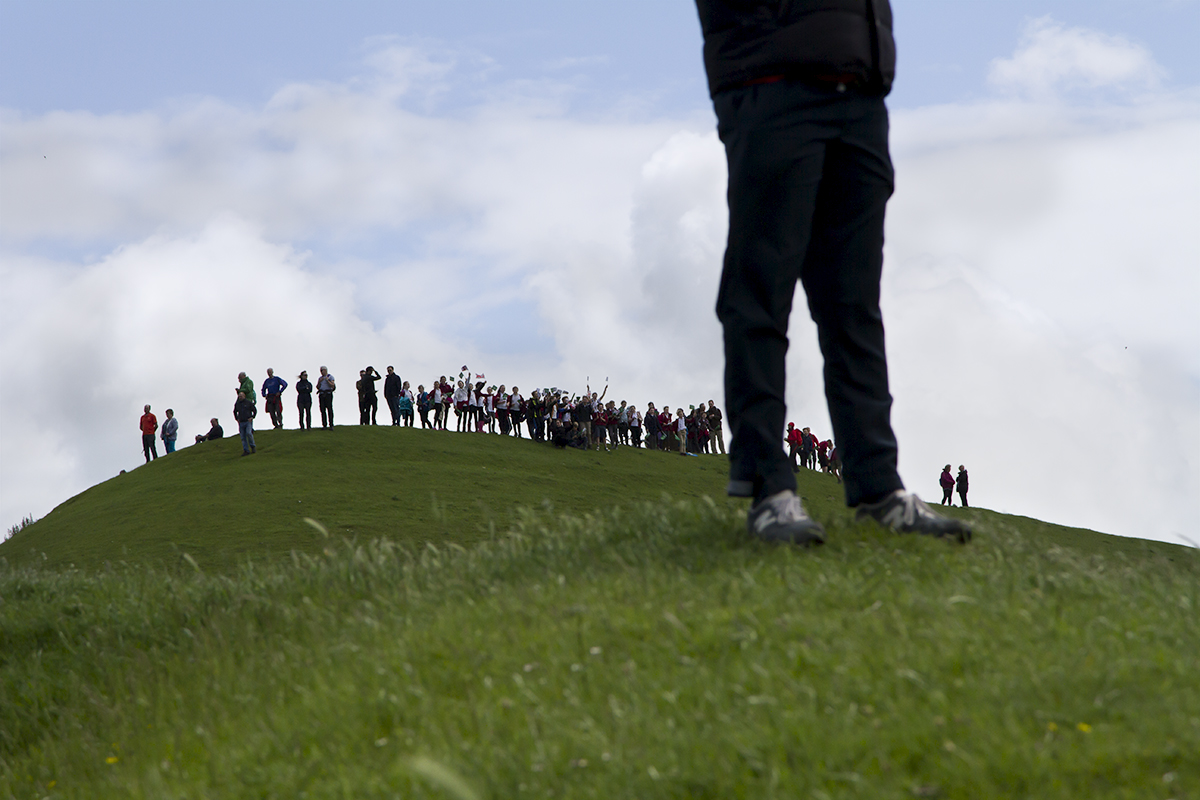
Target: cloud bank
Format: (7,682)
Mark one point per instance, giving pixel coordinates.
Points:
(1040,288)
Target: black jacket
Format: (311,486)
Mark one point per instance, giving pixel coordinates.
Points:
(243,410)
(748,39)
(392,386)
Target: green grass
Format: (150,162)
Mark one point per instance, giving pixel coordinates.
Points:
(648,650)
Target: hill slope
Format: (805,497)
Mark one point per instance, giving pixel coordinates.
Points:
(404,484)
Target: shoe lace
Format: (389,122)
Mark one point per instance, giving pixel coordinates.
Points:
(783,509)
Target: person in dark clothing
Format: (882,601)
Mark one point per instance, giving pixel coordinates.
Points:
(215,432)
(798,92)
(713,414)
(304,390)
(392,387)
(962,484)
(946,481)
(368,396)
(326,386)
(244,412)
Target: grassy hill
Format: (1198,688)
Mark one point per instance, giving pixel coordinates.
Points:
(404,484)
(646,649)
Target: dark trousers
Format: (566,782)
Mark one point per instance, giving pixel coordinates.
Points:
(947,498)
(393,404)
(274,409)
(304,407)
(325,403)
(962,495)
(149,448)
(809,178)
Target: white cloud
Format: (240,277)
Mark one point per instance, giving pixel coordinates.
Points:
(1052,58)
(1029,243)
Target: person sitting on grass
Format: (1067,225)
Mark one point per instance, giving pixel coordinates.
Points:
(215,432)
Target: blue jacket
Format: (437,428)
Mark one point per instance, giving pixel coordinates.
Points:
(273,385)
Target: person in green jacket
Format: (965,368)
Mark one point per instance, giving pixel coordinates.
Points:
(246,385)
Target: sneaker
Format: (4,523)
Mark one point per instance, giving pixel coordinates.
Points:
(904,512)
(781,518)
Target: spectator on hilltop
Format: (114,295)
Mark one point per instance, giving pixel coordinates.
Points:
(272,392)
(215,432)
(304,390)
(246,385)
(244,412)
(368,396)
(326,386)
(793,442)
(391,394)
(405,402)
(148,424)
(170,431)
(962,484)
(714,425)
(798,90)
(946,481)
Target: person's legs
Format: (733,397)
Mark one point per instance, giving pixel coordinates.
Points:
(393,404)
(169,444)
(963,496)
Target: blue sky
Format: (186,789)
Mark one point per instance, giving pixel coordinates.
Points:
(108,56)
(191,189)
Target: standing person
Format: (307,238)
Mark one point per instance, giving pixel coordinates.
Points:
(148,424)
(623,423)
(326,386)
(516,411)
(962,485)
(304,390)
(714,424)
(246,385)
(947,483)
(460,407)
(808,448)
(500,401)
(793,443)
(272,392)
(391,393)
(650,421)
(798,92)
(244,412)
(170,431)
(423,404)
(681,431)
(635,427)
(370,396)
(405,403)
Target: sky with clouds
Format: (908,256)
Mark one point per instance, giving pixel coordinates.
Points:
(536,190)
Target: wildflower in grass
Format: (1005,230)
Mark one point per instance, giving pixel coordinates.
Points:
(1050,726)
(596,651)
(1083,727)
(111,760)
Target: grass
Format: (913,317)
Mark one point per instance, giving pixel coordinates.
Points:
(647,650)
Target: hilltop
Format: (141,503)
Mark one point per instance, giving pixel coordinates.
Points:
(403,484)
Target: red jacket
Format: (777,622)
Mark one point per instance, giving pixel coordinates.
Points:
(148,423)
(795,437)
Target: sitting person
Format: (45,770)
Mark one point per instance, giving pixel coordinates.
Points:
(215,432)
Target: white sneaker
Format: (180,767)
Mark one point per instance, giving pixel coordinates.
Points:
(781,518)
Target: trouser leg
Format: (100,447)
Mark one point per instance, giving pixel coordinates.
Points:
(809,177)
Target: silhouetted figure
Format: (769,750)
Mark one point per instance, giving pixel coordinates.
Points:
(304,390)
(962,484)
(244,412)
(326,386)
